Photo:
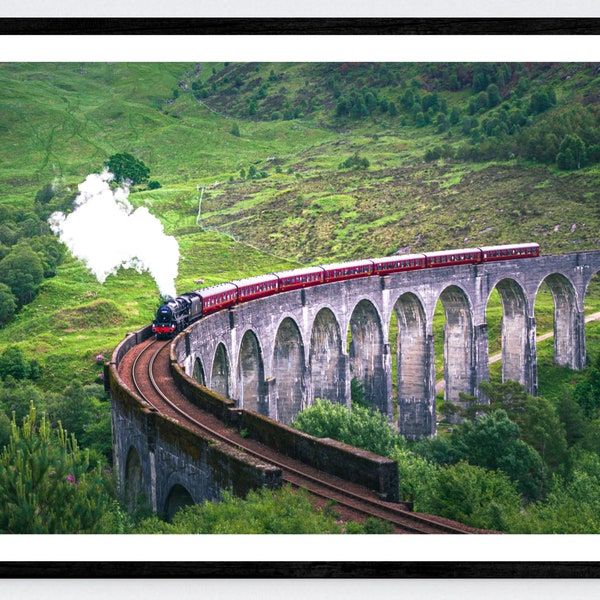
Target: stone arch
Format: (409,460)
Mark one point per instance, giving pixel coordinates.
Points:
(327,360)
(568,322)
(367,353)
(134,481)
(288,370)
(177,498)
(416,416)
(458,344)
(219,379)
(514,330)
(252,391)
(199,372)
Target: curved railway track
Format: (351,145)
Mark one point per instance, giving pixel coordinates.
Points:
(146,367)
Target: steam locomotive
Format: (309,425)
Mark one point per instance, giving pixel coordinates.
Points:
(177,313)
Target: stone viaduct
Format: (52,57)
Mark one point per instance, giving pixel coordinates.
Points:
(277,355)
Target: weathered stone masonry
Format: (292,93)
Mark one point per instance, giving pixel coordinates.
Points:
(277,354)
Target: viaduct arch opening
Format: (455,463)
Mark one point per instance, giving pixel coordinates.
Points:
(252,391)
(366,350)
(412,358)
(327,361)
(288,370)
(513,330)
(457,344)
(219,380)
(568,326)
(178,498)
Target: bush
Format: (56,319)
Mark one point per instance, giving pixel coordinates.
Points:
(265,511)
(355,162)
(358,427)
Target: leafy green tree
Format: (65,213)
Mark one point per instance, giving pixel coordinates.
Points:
(541,101)
(127,168)
(571,153)
(493,94)
(415,474)
(50,250)
(543,430)
(571,416)
(47,484)
(22,271)
(473,495)
(492,442)
(76,409)
(16,397)
(572,505)
(8,304)
(14,363)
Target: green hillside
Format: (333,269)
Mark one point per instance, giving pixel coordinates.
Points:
(307,163)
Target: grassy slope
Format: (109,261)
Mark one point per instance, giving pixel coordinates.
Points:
(62,121)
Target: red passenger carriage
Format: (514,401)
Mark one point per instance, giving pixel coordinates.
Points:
(347,270)
(300,278)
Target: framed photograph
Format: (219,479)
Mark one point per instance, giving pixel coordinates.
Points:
(311,561)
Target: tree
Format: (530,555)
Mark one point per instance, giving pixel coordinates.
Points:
(492,442)
(14,363)
(473,495)
(76,409)
(571,153)
(493,94)
(47,484)
(8,304)
(127,169)
(22,271)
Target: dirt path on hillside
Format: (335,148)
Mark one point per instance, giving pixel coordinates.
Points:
(440,385)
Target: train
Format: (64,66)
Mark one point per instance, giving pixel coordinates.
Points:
(175,314)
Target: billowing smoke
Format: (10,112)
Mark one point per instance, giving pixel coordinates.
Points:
(106,233)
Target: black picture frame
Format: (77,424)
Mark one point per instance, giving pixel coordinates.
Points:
(450,569)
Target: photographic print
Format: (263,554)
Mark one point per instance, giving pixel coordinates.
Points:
(258,294)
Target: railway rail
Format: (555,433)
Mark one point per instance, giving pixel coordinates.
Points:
(147,369)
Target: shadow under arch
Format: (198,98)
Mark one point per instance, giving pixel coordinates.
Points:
(219,379)
(134,480)
(252,390)
(327,360)
(288,370)
(198,373)
(178,498)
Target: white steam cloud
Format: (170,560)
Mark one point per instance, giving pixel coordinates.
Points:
(106,233)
